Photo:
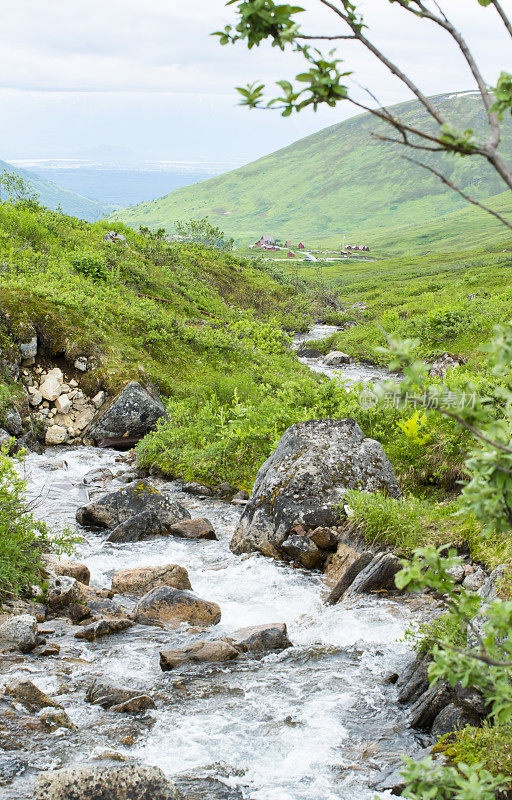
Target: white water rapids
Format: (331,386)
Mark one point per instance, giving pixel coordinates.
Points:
(318,721)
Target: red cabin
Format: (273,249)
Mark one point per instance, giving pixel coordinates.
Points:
(291,254)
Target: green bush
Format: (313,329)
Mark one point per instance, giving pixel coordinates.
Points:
(91,265)
(22,538)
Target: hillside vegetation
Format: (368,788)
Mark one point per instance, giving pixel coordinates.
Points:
(338,181)
(53,197)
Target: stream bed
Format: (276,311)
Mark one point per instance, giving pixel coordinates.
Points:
(318,721)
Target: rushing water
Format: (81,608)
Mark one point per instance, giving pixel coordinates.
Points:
(318,721)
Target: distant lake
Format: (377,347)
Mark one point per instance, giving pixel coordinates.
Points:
(121,186)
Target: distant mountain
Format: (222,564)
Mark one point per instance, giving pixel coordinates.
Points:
(338,181)
(52,196)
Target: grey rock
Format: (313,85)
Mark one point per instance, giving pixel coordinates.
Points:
(413,681)
(354,567)
(141,526)
(69,596)
(91,782)
(475,581)
(336,358)
(445,362)
(453,718)
(261,638)
(306,478)
(115,697)
(226,489)
(6,438)
(81,364)
(393,781)
(200,528)
(241,496)
(457,573)
(117,507)
(19,633)
(472,701)
(133,412)
(98,475)
(29,349)
(13,423)
(304,551)
(308,352)
(427,707)
(488,589)
(379,575)
(198,489)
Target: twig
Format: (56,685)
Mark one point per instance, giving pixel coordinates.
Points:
(455,188)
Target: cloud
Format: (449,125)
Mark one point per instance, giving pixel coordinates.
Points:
(128,48)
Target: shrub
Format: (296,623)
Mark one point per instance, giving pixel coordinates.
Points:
(22,538)
(91,265)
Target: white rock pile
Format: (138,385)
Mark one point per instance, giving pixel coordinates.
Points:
(59,404)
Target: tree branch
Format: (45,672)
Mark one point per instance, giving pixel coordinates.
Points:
(387,63)
(506,21)
(311,36)
(443,22)
(455,188)
(471,654)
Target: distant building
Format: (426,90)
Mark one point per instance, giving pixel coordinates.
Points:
(301,246)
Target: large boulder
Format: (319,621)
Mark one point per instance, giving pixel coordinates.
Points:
(91,782)
(140,580)
(137,497)
(132,413)
(305,480)
(173,606)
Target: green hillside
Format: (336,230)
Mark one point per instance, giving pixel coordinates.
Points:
(338,181)
(52,196)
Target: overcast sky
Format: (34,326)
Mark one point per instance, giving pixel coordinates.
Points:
(146,75)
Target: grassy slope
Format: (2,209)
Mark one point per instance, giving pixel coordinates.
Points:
(52,196)
(180,340)
(338,181)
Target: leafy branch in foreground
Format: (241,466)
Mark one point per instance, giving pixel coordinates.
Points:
(488,495)
(485,665)
(324,83)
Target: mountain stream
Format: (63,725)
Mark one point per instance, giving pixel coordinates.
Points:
(318,721)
